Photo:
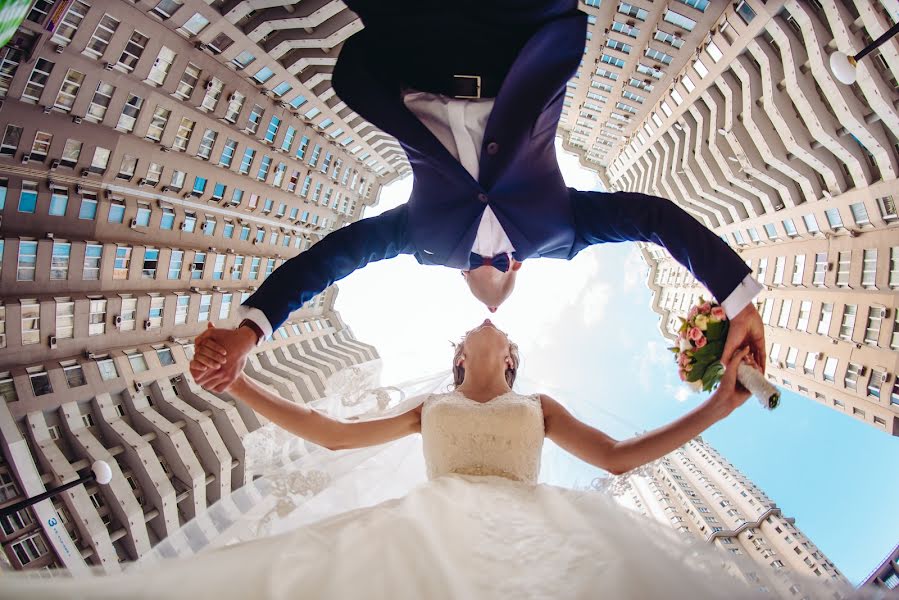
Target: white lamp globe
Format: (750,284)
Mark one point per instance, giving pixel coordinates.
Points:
(843,68)
(102,472)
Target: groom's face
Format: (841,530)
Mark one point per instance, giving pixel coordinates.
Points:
(490,285)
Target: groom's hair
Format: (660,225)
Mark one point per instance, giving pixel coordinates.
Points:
(459,371)
(490,286)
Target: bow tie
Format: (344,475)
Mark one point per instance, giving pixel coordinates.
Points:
(500,261)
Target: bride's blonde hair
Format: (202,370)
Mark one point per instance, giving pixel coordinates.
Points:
(459,371)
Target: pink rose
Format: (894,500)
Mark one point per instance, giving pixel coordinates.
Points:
(718,314)
(695,333)
(693,312)
(706,308)
(701,342)
(683,375)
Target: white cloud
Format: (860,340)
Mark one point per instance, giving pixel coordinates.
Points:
(682,393)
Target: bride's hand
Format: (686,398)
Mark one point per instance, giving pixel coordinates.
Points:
(730,394)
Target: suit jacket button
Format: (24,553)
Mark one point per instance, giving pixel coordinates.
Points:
(483,197)
(492,148)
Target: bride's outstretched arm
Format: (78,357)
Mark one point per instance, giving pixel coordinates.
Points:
(597,448)
(319,428)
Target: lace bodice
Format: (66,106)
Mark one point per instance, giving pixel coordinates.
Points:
(502,437)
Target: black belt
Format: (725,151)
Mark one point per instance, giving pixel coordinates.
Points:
(461,86)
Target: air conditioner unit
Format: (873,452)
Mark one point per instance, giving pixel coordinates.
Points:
(830,266)
(183,226)
(138,386)
(858,346)
(884,313)
(108,66)
(85,172)
(52,341)
(141,182)
(48,110)
(863,371)
(201,46)
(54,164)
(49,235)
(216,288)
(148,324)
(164,149)
(208,85)
(884,377)
(195,289)
(133,224)
(229,250)
(76,120)
(58,49)
(820,356)
(26,158)
(117,321)
(631,23)
(166,189)
(90,355)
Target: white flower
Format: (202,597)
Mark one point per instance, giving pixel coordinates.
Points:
(695,385)
(684,344)
(702,322)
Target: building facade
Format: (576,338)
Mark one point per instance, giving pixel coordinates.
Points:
(731,111)
(697,492)
(886,575)
(158,161)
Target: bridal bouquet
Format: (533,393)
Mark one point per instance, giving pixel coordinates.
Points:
(700,345)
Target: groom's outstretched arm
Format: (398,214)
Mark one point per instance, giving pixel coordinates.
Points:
(629,216)
(221,354)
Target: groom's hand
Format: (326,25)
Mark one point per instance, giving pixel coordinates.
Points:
(220,356)
(746,329)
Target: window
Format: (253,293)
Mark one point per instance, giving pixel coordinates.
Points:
(218,269)
(872,329)
(177,181)
(237,269)
(205,303)
(824,320)
(93,255)
(205,149)
(762,269)
(798,269)
(161,66)
(805,309)
(848,325)
(745,11)
(254,268)
(301,150)
(100,160)
(272,130)
(887,207)
(157,304)
(97,316)
(833,218)
(137,361)
(228,153)
(209,225)
(679,20)
(133,51)
(811,361)
(312,113)
(811,223)
(194,25)
(784,318)
(127,168)
(218,191)
(242,60)
(26,261)
(859,214)
(37,80)
(88,209)
(41,146)
(188,82)
(264,165)
(779,264)
(11,138)
(255,118)
(122,262)
(182,138)
(869,267)
(850,380)
(30,548)
(167,222)
(263,75)
(151,262)
(182,306)
(176,262)
(59,260)
(313,160)
(154,173)
(213,93)
(69,90)
(235,105)
(196,268)
(166,8)
(843,266)
(792,354)
(31,321)
(65,319)
(247,161)
(225,309)
(820,269)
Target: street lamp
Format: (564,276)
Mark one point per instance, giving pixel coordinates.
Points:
(843,65)
(100,472)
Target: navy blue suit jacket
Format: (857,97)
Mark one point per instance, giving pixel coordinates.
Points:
(520,181)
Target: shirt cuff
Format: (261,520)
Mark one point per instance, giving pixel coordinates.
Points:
(258,317)
(744,293)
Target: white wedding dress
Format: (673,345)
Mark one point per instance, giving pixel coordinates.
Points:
(480,526)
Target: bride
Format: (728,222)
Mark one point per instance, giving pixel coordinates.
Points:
(480,527)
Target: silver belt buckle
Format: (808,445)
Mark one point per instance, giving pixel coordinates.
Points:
(477,79)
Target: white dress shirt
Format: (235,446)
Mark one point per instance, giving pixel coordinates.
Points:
(459,125)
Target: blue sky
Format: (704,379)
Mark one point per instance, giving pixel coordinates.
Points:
(589,338)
